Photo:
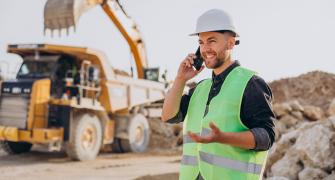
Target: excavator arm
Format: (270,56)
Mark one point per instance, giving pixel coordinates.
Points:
(64,14)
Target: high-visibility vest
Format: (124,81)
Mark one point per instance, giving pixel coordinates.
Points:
(215,161)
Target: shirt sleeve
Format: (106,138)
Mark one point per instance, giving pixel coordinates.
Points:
(180,116)
(257,113)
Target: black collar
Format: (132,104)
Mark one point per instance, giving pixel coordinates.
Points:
(222,76)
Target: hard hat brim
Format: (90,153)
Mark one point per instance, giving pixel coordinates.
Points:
(197,33)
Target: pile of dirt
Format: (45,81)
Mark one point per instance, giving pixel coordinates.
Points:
(165,136)
(315,88)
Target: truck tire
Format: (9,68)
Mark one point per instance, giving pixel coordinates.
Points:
(85,137)
(138,135)
(15,147)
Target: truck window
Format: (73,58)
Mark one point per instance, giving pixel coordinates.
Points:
(36,69)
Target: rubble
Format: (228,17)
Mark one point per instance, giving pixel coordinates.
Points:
(279,149)
(315,148)
(313,113)
(305,128)
(277,178)
(331,176)
(312,174)
(304,148)
(281,109)
(165,136)
(331,109)
(288,166)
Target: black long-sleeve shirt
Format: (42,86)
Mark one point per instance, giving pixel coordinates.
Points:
(256,111)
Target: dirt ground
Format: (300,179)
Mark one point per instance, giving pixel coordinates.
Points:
(39,164)
(161,162)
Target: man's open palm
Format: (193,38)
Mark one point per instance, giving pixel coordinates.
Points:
(214,136)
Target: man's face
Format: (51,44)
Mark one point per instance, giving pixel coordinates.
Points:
(215,48)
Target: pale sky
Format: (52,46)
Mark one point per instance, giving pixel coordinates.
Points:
(278,38)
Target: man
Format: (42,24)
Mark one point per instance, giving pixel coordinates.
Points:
(227,119)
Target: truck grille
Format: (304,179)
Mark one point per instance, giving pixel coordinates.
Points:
(14,111)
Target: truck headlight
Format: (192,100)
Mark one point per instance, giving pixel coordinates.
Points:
(26,90)
(16,90)
(7,90)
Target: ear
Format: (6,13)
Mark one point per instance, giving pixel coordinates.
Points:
(231,43)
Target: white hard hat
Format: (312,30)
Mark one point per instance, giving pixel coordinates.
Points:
(214,20)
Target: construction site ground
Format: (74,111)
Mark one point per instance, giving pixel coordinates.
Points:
(40,164)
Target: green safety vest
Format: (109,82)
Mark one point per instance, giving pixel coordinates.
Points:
(215,161)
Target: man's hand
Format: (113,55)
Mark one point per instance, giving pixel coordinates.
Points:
(243,139)
(215,136)
(173,97)
(186,70)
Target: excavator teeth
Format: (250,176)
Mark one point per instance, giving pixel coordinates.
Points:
(64,14)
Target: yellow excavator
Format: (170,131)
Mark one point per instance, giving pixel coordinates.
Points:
(71,97)
(63,14)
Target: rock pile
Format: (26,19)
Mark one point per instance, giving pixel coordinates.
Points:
(305,128)
(305,143)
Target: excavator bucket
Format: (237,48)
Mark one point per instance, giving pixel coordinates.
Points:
(63,14)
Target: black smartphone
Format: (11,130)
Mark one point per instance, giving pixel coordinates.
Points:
(198,61)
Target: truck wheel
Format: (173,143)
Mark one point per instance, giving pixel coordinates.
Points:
(15,147)
(85,137)
(138,135)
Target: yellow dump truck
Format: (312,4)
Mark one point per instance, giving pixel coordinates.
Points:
(72,98)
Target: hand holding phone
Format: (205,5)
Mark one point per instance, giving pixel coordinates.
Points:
(198,61)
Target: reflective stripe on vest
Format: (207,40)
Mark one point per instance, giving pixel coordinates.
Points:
(189,160)
(230,163)
(219,161)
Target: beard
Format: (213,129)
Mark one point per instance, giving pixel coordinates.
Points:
(219,61)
